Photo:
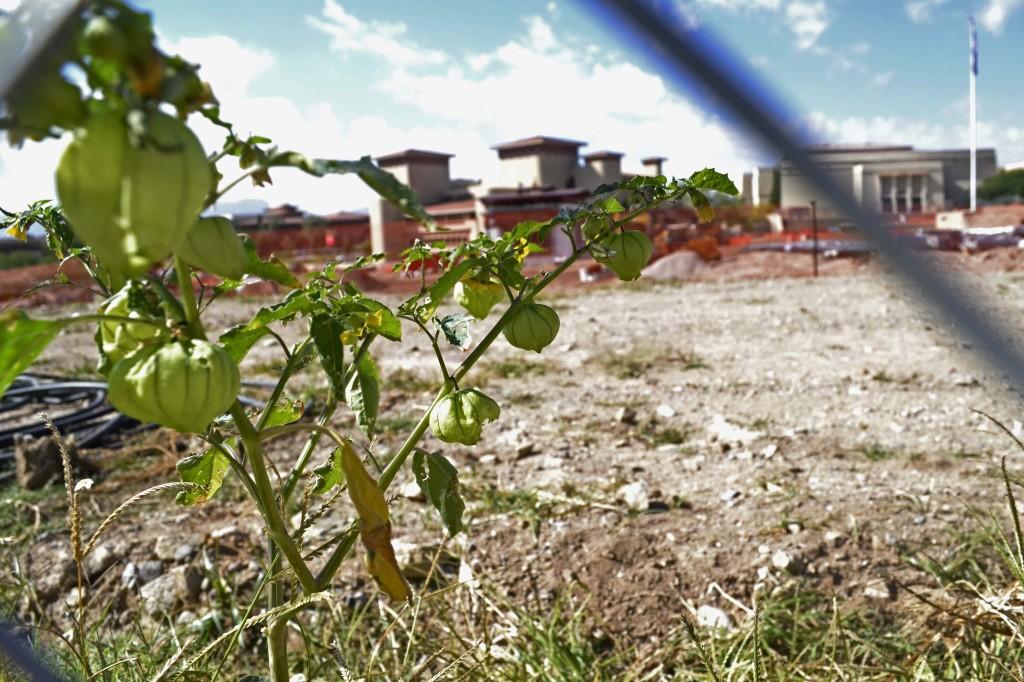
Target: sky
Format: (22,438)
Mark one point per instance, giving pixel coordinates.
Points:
(346,78)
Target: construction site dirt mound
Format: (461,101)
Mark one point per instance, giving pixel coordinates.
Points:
(678,265)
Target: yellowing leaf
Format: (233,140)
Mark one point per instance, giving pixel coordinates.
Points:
(382,565)
(366,495)
(374,526)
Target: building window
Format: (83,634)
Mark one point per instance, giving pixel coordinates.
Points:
(902,193)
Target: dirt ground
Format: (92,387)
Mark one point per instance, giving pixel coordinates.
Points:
(679,445)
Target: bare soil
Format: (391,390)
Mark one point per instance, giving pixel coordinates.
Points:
(678,445)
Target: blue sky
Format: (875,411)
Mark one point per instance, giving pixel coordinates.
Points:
(343,78)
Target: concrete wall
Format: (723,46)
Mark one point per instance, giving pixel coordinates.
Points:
(546,168)
(429,179)
(946,184)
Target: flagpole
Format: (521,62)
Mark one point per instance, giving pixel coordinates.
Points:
(974,114)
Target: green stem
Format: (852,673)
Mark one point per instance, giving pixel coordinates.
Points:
(188,298)
(289,368)
(228,187)
(266,501)
(277,633)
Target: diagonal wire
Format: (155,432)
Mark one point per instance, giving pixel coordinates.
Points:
(681,51)
(13,648)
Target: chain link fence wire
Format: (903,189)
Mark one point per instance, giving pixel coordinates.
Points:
(686,55)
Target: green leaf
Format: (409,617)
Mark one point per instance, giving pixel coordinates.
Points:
(207,470)
(705,211)
(439,482)
(366,261)
(21,341)
(379,180)
(710,179)
(285,412)
(271,269)
(457,329)
(329,474)
(239,340)
(326,332)
(389,326)
(363,394)
(611,205)
(440,289)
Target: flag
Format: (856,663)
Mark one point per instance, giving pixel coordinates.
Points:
(974,47)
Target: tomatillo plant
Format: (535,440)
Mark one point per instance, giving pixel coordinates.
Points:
(132,185)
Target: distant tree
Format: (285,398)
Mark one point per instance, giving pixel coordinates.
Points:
(1004,184)
(776,197)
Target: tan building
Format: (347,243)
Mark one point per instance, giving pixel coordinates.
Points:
(537,177)
(896,179)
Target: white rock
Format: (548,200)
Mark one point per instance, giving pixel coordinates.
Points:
(411,491)
(634,495)
(877,589)
(713,617)
(665,411)
(99,559)
(784,561)
(727,432)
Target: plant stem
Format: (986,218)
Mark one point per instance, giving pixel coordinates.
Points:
(188,298)
(289,368)
(277,633)
(266,501)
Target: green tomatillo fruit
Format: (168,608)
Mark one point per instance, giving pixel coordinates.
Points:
(629,253)
(119,339)
(213,245)
(132,201)
(183,385)
(460,416)
(532,327)
(45,101)
(478,297)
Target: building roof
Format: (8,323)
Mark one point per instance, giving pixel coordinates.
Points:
(457,207)
(345,217)
(539,141)
(407,155)
(846,148)
(603,154)
(653,159)
(535,196)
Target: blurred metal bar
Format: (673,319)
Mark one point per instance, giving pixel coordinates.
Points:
(687,54)
(14,649)
(26,34)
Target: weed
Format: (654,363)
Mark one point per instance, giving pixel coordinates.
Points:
(876,452)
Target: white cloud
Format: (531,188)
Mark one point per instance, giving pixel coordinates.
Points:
(860,48)
(920,11)
(385,40)
(995,13)
(227,64)
(882,78)
(537,85)
(807,20)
